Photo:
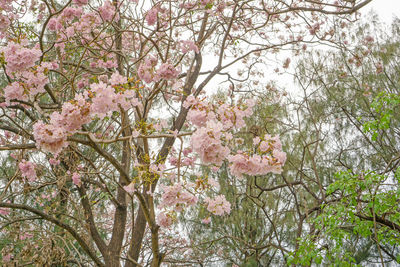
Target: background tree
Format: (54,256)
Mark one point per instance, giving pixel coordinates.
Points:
(358,220)
(94,96)
(339,132)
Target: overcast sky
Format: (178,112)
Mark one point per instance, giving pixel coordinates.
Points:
(386,9)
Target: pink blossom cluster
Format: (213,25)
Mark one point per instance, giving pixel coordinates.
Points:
(85,24)
(130,188)
(167,72)
(16,91)
(252,165)
(218,206)
(29,79)
(214,133)
(200,111)
(107,100)
(71,13)
(187,46)
(54,25)
(146,69)
(231,116)
(67,16)
(73,115)
(6,4)
(151,17)
(186,157)
(270,160)
(164,219)
(117,79)
(49,137)
(80,2)
(33,82)
(27,169)
(268,143)
(19,58)
(4,23)
(107,11)
(53,137)
(76,179)
(102,100)
(37,78)
(148,73)
(176,196)
(206,141)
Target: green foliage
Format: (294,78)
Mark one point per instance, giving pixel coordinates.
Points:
(357,219)
(384,104)
(363,206)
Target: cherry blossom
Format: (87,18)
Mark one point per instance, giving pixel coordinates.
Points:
(218,206)
(27,169)
(76,179)
(20,58)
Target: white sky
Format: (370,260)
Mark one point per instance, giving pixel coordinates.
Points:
(386,9)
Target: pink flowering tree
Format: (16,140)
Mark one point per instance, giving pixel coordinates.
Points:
(107,113)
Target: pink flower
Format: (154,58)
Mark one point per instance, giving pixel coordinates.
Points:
(70,13)
(4,23)
(107,11)
(264,146)
(176,196)
(164,220)
(76,179)
(52,25)
(15,91)
(80,2)
(187,46)
(190,100)
(104,100)
(146,69)
(70,31)
(49,137)
(369,39)
(206,220)
(280,156)
(151,17)
(256,140)
(20,58)
(275,140)
(206,142)
(73,115)
(27,169)
(198,117)
(25,236)
(167,72)
(218,206)
(7,258)
(240,165)
(130,188)
(233,116)
(116,78)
